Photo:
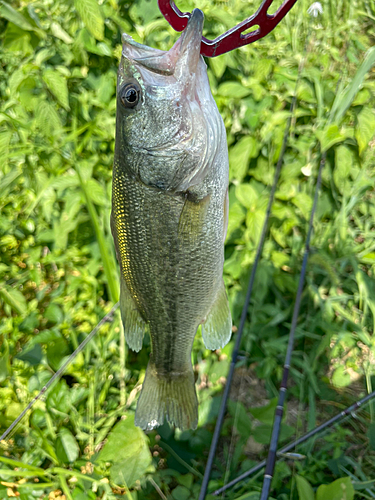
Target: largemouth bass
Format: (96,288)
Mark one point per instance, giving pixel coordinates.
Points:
(169,218)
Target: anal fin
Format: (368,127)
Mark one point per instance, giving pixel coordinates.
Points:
(217,328)
(134,324)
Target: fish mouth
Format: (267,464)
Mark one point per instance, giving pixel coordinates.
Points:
(181,60)
(191,40)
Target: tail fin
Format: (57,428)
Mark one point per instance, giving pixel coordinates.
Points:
(173,397)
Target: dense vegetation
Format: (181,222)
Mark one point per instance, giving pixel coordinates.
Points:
(58,274)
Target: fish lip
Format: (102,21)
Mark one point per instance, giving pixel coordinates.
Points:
(181,60)
(192,35)
(189,48)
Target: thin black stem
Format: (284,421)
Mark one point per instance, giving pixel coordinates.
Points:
(60,371)
(302,439)
(220,419)
(271,459)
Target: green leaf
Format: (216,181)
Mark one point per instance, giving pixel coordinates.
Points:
(371,435)
(67,449)
(59,397)
(107,257)
(262,433)
(239,156)
(46,336)
(343,166)
(242,421)
(233,89)
(341,489)
(127,449)
(341,377)
(54,314)
(263,68)
(218,65)
(186,480)
(181,493)
(236,217)
(32,356)
(304,202)
(330,136)
(345,98)
(305,491)
(265,414)
(60,33)
(218,369)
(147,10)
(15,17)
(55,353)
(90,14)
(254,495)
(4,361)
(247,195)
(14,298)
(17,40)
(56,83)
(365,128)
(47,118)
(5,138)
(97,193)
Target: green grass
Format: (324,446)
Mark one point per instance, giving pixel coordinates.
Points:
(58,274)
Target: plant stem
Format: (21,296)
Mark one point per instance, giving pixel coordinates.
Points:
(65,487)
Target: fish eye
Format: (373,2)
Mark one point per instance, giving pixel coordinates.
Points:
(130,95)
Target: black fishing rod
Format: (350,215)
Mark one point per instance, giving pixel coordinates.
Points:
(223,405)
(344,413)
(271,459)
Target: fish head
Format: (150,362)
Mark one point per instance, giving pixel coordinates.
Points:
(162,100)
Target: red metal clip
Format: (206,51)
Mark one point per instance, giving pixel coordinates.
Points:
(234,37)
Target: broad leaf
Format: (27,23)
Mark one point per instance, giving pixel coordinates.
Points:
(127,449)
(365,128)
(239,156)
(14,298)
(59,32)
(341,489)
(67,448)
(14,16)
(305,491)
(90,14)
(233,89)
(56,83)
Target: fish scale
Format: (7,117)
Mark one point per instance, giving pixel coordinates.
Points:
(170,181)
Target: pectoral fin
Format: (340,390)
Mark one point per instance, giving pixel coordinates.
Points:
(192,218)
(134,324)
(217,329)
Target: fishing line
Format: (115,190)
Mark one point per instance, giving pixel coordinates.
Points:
(224,400)
(107,318)
(349,411)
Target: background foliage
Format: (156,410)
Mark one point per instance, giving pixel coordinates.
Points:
(58,275)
